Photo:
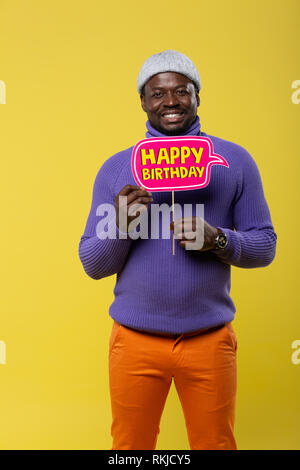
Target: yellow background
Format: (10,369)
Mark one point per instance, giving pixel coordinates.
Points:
(70,69)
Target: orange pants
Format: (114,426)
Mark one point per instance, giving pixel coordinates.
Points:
(141,368)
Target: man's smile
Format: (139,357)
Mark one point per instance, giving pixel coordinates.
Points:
(172,116)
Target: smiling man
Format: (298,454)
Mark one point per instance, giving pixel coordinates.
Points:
(170,100)
(173,314)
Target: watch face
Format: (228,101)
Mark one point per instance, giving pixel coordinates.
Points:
(222,240)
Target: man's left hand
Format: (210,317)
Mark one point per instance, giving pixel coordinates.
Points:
(188,225)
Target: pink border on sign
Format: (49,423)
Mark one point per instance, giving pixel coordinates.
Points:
(212,159)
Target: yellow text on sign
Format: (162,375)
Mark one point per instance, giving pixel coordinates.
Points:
(169,155)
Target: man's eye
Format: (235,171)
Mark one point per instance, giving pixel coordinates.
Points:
(157,94)
(182,92)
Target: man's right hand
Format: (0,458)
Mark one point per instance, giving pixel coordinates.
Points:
(135,195)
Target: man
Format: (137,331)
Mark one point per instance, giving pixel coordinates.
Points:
(172,314)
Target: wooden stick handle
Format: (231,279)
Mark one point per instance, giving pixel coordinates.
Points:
(173,221)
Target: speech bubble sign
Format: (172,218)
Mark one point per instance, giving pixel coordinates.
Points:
(174,163)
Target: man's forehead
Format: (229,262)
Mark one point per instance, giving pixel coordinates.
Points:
(168,79)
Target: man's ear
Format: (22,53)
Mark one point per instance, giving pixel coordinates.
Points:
(143,102)
(198,100)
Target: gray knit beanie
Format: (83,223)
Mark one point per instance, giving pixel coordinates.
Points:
(168,61)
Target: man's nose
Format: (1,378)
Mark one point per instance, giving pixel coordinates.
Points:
(170,99)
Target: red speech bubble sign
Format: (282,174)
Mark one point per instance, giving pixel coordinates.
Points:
(174,163)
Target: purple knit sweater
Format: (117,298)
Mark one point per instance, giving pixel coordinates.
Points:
(158,291)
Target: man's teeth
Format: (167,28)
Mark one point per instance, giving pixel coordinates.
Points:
(172,115)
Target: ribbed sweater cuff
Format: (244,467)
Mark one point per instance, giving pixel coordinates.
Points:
(232,252)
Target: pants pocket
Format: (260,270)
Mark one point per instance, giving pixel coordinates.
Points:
(115,332)
(232,335)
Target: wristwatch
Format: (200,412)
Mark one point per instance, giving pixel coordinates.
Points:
(221,241)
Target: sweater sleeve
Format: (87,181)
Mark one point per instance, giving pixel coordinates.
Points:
(103,256)
(252,240)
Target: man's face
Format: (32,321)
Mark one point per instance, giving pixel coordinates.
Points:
(170,102)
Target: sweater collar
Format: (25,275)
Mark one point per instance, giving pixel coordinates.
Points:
(194,129)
